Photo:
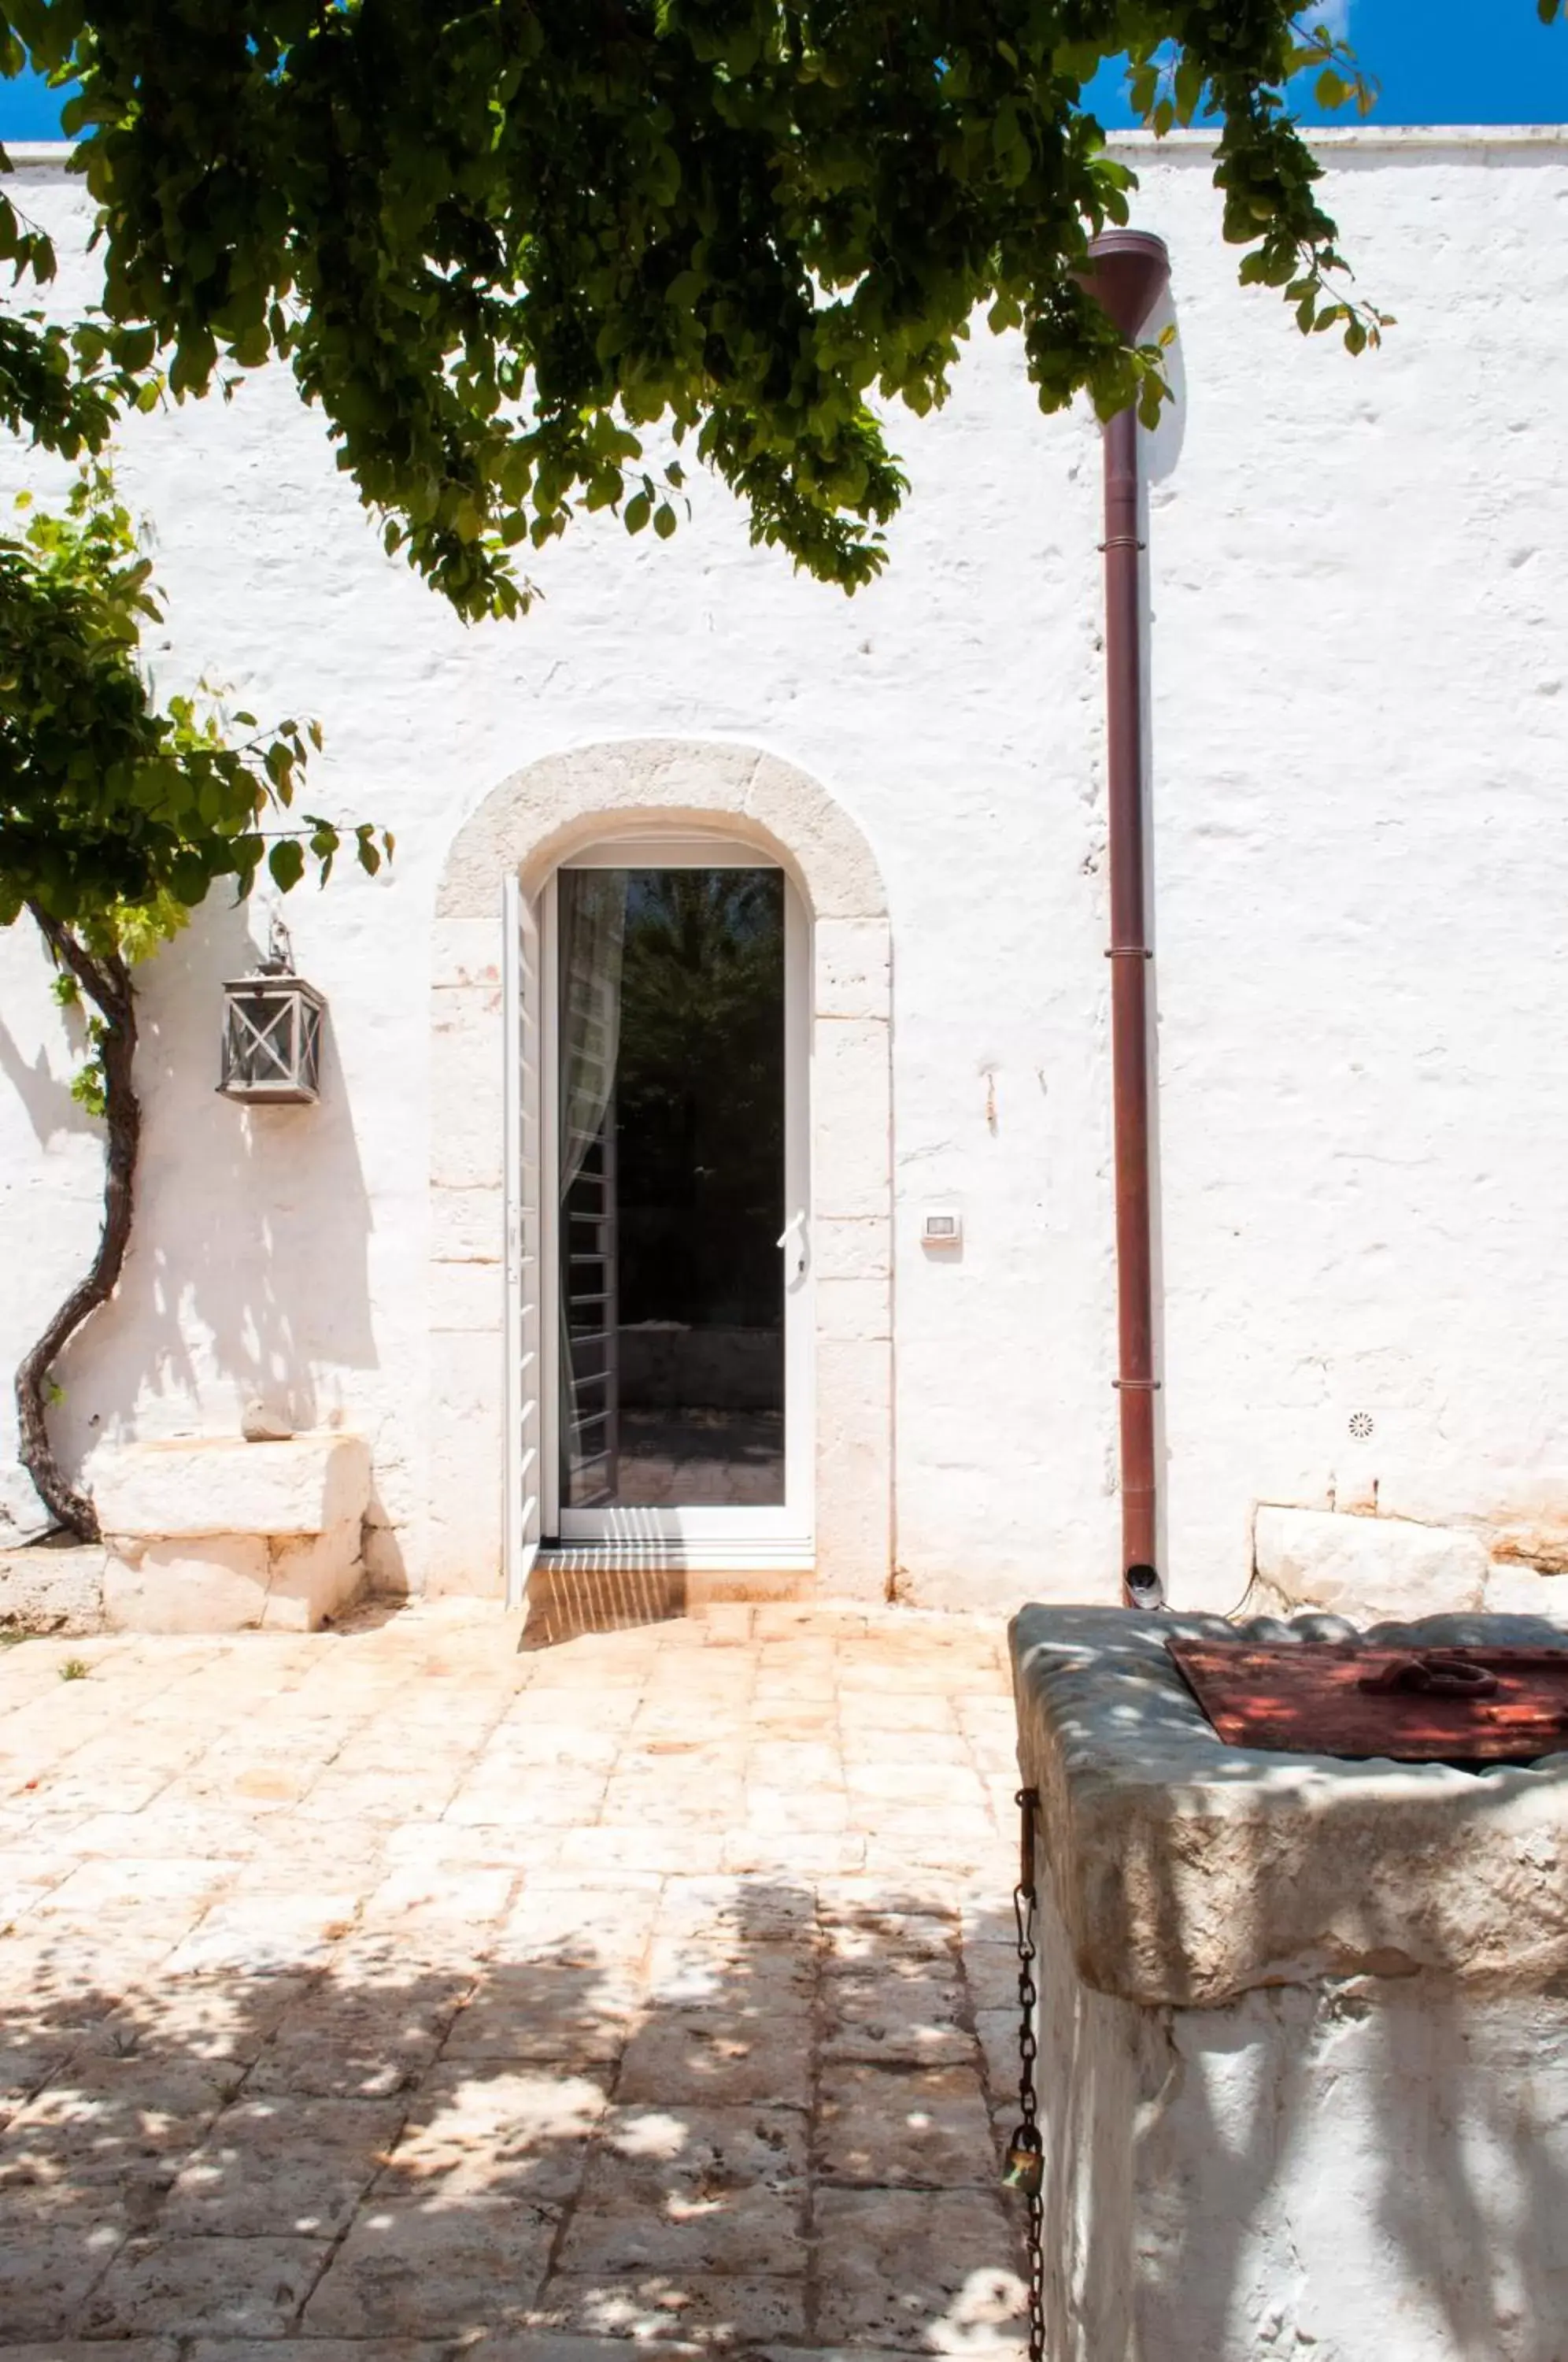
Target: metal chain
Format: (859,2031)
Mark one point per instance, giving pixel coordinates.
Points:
(1026,2166)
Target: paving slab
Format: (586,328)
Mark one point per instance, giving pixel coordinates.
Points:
(482,2129)
(49,2265)
(287,2349)
(129,2349)
(932,2268)
(752,2048)
(385,1995)
(413,2270)
(188,2286)
(710,2309)
(282,2165)
(885,2017)
(692,2189)
(894,2125)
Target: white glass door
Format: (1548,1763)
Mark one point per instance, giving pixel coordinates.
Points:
(676,1321)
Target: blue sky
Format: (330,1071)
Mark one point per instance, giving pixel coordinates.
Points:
(1438,60)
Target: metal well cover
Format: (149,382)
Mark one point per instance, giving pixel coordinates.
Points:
(1413,1704)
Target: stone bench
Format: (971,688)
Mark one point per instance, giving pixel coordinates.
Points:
(1303,2024)
(214,1534)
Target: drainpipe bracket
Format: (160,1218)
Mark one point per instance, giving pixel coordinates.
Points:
(1136,1385)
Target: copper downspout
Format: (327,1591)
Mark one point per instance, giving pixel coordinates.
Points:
(1130,273)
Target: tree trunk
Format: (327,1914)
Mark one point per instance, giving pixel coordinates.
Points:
(106,983)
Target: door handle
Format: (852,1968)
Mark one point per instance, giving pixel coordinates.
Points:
(796,1228)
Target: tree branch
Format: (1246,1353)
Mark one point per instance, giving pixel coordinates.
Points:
(106,981)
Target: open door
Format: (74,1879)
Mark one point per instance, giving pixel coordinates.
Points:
(523,1456)
(676,1286)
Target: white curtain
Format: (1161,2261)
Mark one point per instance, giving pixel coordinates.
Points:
(592,917)
(592,921)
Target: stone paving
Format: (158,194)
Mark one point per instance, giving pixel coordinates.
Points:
(392,1993)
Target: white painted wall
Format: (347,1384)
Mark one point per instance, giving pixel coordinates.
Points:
(1358,574)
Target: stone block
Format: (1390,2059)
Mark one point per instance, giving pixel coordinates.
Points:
(216,1582)
(853,1117)
(312,1576)
(467,1147)
(219,1484)
(835,860)
(468,1296)
(854,1308)
(855,1467)
(467,1413)
(467,1225)
(1524,1591)
(52,1590)
(852,1248)
(1369,1568)
(854,967)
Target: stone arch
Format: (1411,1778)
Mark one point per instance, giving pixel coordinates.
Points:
(524,827)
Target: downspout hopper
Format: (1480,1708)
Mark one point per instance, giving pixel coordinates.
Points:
(1130,271)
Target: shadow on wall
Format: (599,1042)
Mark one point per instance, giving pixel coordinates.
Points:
(1162,449)
(724,2138)
(248,1269)
(45,1096)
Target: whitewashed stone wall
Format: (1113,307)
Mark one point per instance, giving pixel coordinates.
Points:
(1358,575)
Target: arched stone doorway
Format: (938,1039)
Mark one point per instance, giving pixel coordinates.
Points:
(523,830)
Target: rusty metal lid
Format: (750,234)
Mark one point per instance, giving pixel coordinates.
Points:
(1412,1705)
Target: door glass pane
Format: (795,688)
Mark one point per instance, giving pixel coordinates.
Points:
(671,1099)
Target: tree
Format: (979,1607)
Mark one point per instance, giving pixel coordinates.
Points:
(118,815)
(523,253)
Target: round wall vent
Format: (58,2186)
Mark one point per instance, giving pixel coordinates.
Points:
(1361,1424)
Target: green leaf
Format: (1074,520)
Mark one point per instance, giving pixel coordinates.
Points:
(286,862)
(497,261)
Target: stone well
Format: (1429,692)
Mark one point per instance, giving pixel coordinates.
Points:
(1303,2075)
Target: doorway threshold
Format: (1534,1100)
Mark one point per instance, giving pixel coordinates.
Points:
(581,1588)
(663,1554)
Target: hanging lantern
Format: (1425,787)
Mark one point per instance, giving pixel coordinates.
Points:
(271,1031)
